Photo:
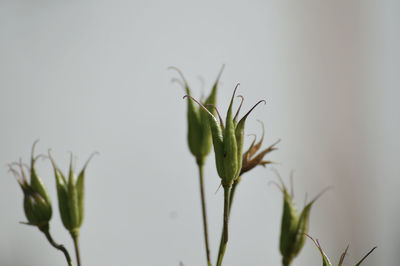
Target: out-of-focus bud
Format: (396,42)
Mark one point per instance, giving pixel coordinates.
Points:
(294,226)
(71,196)
(327,262)
(37,204)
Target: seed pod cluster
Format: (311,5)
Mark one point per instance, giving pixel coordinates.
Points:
(37,204)
(327,262)
(227,141)
(199,135)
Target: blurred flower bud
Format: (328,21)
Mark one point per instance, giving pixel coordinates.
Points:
(294,227)
(37,204)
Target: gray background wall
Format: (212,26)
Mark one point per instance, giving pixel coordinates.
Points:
(91,75)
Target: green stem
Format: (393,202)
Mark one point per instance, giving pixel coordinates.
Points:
(75,238)
(200,163)
(224,238)
(286,261)
(235,183)
(231,195)
(46,232)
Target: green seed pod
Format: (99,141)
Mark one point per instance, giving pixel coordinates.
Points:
(325,259)
(232,149)
(294,227)
(199,135)
(227,141)
(37,210)
(70,195)
(302,228)
(37,204)
(288,228)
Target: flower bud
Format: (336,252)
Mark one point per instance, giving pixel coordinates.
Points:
(70,195)
(37,210)
(327,262)
(37,204)
(294,227)
(199,135)
(227,141)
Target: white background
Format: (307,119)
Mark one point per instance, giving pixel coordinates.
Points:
(88,76)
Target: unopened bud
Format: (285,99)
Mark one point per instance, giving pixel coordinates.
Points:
(37,204)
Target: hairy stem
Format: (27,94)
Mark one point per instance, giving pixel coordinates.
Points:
(75,238)
(46,232)
(224,238)
(200,163)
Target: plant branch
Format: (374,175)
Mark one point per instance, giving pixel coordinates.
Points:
(75,238)
(224,238)
(231,195)
(46,232)
(200,164)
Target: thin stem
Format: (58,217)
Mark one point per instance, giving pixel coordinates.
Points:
(235,183)
(75,238)
(200,163)
(231,195)
(46,232)
(224,238)
(286,261)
